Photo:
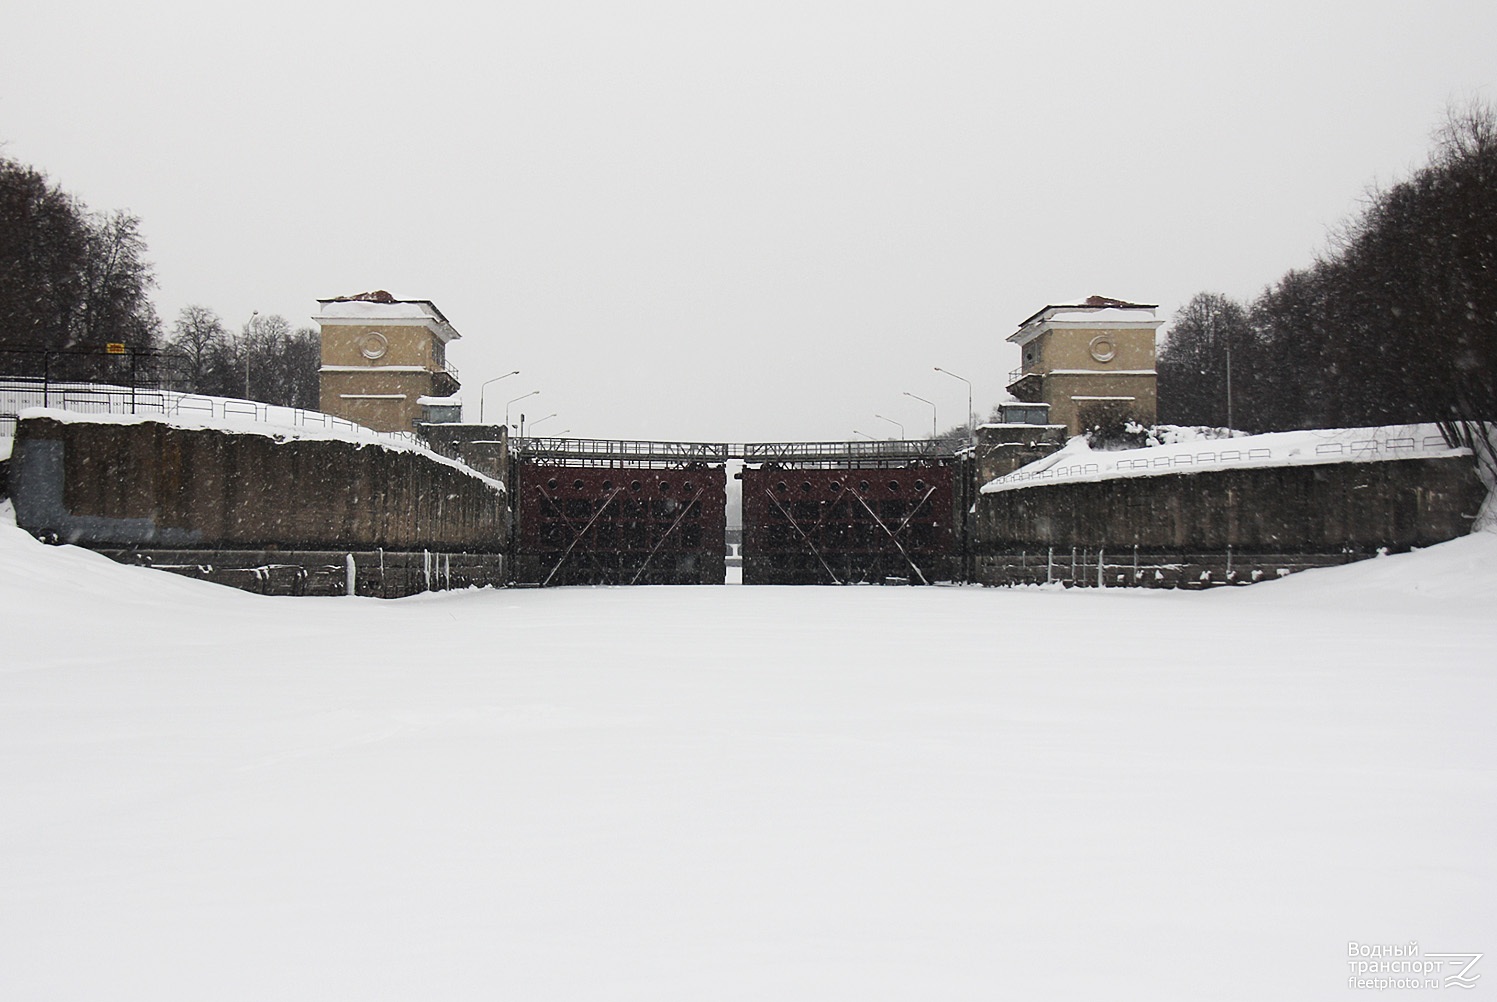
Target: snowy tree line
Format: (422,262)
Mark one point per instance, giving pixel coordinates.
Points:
(73,281)
(70,278)
(264,360)
(1397,322)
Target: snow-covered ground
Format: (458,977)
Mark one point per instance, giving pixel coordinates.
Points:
(742,793)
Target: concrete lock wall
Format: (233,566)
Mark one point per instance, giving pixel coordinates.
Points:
(1281,513)
(148,483)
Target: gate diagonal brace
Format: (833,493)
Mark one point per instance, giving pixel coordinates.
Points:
(576,532)
(914,511)
(577,538)
(809,545)
(894,536)
(868,568)
(661,542)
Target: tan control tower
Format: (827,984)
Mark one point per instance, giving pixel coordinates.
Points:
(1092,362)
(381,356)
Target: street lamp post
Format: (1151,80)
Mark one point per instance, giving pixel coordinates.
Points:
(539,420)
(486,386)
(249,344)
(865,435)
(932,412)
(902,435)
(971,432)
(1229,385)
(515,401)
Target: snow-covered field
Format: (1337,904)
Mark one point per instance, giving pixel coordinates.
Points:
(742,793)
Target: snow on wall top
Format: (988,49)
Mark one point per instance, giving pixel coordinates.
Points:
(1194,453)
(359,436)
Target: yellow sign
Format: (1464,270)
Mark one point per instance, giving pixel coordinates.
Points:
(114,348)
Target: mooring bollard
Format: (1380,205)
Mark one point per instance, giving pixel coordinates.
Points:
(348,573)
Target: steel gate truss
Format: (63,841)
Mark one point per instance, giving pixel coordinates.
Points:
(668,533)
(614,511)
(817,521)
(577,534)
(805,536)
(894,535)
(597,523)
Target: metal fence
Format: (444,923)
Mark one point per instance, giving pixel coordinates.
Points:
(19,393)
(646,454)
(138,382)
(870,454)
(1091,567)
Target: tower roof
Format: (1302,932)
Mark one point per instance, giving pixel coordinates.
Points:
(1091,304)
(1093,310)
(380,305)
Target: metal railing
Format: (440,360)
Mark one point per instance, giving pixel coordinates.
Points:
(600,450)
(1015,375)
(18,394)
(622,451)
(1086,567)
(843,452)
(1220,458)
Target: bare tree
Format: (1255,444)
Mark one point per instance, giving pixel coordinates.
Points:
(1466,153)
(197,336)
(1396,323)
(70,278)
(43,244)
(1195,384)
(116,278)
(267,360)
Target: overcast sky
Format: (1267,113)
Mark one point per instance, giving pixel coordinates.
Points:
(736,222)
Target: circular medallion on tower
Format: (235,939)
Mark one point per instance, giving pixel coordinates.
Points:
(373,345)
(1103,348)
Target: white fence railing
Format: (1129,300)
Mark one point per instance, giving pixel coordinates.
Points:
(1273,449)
(17,395)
